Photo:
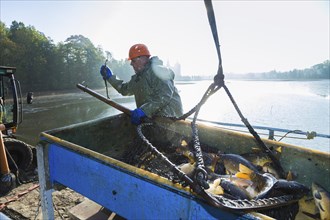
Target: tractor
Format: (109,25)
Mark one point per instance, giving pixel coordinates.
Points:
(16,157)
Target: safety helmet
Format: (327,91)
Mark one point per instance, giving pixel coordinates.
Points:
(138,50)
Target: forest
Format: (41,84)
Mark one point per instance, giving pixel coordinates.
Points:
(43,65)
(315,72)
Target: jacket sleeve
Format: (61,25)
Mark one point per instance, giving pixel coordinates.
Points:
(120,86)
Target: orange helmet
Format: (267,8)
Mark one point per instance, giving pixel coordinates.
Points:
(138,50)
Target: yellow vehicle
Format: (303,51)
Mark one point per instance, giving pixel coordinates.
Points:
(15,155)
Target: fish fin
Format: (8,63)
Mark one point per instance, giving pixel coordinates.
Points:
(215,187)
(214,162)
(217,181)
(279,149)
(289,177)
(244,169)
(243,175)
(184,143)
(218,190)
(187,153)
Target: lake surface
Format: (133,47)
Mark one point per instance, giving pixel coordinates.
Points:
(292,105)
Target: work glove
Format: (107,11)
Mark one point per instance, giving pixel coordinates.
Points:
(105,72)
(136,116)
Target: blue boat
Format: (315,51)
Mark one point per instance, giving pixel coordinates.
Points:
(87,158)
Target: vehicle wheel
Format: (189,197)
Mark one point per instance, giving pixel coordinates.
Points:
(20,152)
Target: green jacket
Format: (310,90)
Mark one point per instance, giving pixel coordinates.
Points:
(153,89)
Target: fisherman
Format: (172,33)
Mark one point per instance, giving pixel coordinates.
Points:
(152,86)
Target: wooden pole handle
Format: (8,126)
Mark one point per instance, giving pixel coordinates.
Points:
(104,99)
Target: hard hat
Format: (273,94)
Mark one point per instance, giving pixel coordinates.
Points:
(138,50)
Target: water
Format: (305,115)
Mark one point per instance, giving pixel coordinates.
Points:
(293,105)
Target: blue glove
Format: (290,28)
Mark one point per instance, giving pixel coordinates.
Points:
(105,72)
(136,116)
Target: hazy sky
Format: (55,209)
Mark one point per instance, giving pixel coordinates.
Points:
(255,36)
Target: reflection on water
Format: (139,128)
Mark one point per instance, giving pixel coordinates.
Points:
(281,104)
(49,112)
(292,105)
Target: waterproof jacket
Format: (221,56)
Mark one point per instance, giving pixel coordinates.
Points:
(153,89)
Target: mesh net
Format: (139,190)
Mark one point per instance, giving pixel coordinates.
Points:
(180,151)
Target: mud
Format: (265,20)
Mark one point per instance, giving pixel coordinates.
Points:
(23,202)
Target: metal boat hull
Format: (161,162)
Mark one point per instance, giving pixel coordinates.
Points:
(83,157)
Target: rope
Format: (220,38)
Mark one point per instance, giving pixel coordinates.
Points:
(256,136)
(219,79)
(15,165)
(201,176)
(17,196)
(298,138)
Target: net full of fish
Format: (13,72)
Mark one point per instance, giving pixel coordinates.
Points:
(237,181)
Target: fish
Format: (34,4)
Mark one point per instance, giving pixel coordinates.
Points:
(210,159)
(234,190)
(231,163)
(259,158)
(269,168)
(291,187)
(262,160)
(307,209)
(265,185)
(240,182)
(284,187)
(245,183)
(237,187)
(262,185)
(322,200)
(184,151)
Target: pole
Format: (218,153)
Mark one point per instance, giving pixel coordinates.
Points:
(104,99)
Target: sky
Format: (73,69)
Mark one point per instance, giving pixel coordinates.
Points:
(255,36)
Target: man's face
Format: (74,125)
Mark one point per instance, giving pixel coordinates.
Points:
(139,63)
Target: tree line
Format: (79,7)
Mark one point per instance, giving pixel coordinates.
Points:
(42,65)
(318,71)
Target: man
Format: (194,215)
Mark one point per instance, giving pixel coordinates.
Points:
(152,86)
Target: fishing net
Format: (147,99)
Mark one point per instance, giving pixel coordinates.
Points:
(177,149)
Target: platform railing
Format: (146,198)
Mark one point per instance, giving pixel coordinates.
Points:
(271,130)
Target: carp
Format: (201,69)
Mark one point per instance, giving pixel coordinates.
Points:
(232,162)
(322,200)
(262,161)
